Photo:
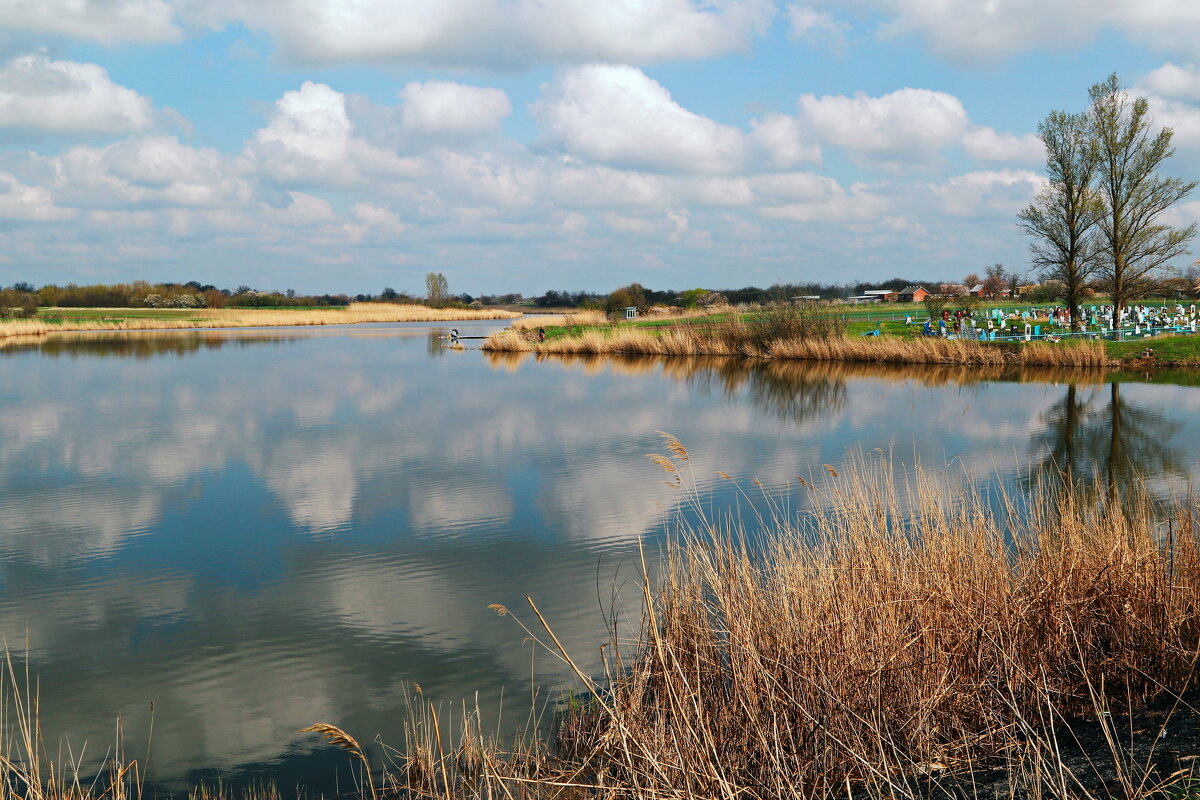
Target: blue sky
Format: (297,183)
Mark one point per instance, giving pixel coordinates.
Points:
(519,145)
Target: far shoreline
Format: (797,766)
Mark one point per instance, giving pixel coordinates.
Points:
(150,320)
(587,335)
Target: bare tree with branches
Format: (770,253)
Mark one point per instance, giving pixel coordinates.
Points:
(1062,219)
(437,289)
(1136,245)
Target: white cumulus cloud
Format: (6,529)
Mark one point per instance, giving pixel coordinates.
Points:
(617,115)
(1173,81)
(906,128)
(993,193)
(783,141)
(448,108)
(32,203)
(496,33)
(982,31)
(104,21)
(989,144)
(311,140)
(66,97)
(824,200)
(806,23)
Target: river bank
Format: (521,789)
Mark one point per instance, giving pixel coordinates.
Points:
(126,319)
(734,337)
(693,341)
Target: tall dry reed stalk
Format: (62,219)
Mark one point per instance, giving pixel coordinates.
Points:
(254,318)
(899,639)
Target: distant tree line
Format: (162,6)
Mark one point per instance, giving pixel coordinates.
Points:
(23,298)
(642,297)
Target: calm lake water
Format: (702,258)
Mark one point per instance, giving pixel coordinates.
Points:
(236,534)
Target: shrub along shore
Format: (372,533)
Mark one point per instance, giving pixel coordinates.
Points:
(125,319)
(784,334)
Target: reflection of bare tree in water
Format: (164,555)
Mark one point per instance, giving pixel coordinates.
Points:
(1110,447)
(795,391)
(797,396)
(435,343)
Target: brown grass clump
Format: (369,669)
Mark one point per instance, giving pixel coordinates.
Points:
(252,318)
(899,639)
(581,317)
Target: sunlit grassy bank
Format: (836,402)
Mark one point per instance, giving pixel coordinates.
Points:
(906,638)
(738,339)
(815,334)
(117,319)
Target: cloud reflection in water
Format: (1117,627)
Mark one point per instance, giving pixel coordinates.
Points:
(260,530)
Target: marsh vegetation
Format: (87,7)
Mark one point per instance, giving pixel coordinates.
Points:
(790,332)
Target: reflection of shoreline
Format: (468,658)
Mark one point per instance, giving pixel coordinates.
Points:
(146,344)
(737,370)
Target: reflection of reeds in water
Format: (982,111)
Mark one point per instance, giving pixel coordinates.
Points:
(506,361)
(253,318)
(137,344)
(732,339)
(145,344)
(735,371)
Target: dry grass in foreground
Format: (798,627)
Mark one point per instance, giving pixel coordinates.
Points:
(903,633)
(254,318)
(903,640)
(732,339)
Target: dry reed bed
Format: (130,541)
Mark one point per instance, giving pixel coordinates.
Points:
(584,317)
(898,641)
(901,633)
(728,340)
(256,318)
